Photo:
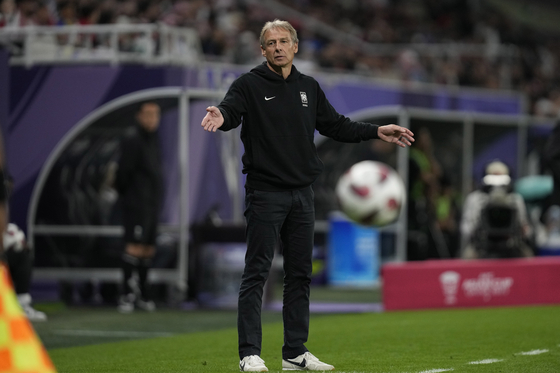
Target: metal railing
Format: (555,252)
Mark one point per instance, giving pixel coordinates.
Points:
(141,43)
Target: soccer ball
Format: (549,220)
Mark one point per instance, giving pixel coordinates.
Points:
(371,193)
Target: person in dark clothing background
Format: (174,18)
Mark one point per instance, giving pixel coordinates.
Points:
(550,215)
(551,163)
(280,109)
(139,183)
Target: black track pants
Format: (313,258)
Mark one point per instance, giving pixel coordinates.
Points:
(290,217)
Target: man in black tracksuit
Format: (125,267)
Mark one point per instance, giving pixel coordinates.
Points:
(280,109)
(139,182)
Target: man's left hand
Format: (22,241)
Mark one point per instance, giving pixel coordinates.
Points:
(396,134)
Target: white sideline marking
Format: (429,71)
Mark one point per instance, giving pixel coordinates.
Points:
(486,361)
(532,352)
(101,333)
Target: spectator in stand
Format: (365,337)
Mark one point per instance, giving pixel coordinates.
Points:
(149,12)
(223,26)
(67,13)
(8,13)
(18,14)
(43,16)
(13,18)
(88,13)
(127,12)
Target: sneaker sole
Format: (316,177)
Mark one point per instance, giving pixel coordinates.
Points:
(295,367)
(262,370)
(302,368)
(265,369)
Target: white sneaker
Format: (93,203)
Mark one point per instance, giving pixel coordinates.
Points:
(252,363)
(305,361)
(126,303)
(146,305)
(31,313)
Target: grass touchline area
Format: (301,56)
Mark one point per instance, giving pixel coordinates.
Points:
(508,339)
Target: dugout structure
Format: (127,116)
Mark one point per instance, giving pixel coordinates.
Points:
(96,134)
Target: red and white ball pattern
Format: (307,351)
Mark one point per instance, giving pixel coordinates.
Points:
(371,193)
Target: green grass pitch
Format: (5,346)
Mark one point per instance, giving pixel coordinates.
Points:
(506,339)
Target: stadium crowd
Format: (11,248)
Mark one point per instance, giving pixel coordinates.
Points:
(513,56)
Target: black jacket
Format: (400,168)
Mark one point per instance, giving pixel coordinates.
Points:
(280,117)
(139,176)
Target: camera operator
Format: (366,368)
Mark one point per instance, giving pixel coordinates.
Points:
(494,222)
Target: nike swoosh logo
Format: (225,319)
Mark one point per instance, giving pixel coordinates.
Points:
(302,364)
(269,98)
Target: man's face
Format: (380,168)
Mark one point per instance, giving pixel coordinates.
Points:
(278,49)
(149,116)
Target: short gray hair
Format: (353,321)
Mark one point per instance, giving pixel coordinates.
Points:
(279,24)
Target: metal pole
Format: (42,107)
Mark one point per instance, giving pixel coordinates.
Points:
(468,149)
(183,138)
(402,168)
(522,138)
(468,146)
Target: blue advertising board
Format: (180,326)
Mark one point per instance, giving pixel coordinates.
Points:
(353,254)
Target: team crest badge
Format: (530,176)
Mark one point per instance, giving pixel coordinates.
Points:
(303,96)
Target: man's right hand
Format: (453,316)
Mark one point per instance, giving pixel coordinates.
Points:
(213,119)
